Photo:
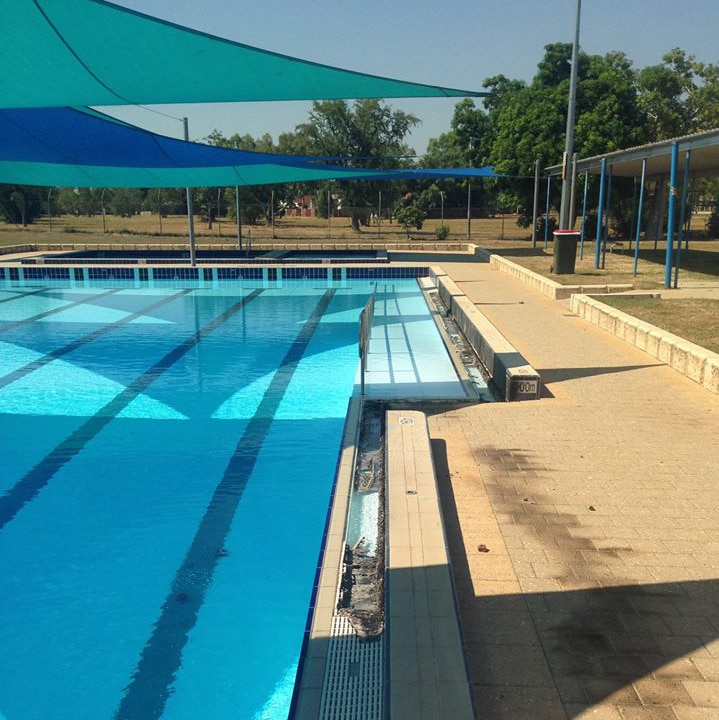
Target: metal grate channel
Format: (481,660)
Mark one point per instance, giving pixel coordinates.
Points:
(352,687)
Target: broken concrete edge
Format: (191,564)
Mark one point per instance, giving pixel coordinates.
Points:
(548,287)
(427,675)
(691,360)
(313,658)
(513,376)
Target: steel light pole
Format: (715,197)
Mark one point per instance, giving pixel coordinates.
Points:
(571,111)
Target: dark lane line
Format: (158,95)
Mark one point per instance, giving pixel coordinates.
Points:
(65,349)
(35,479)
(54,311)
(150,687)
(19,296)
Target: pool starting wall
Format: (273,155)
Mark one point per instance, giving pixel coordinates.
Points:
(142,275)
(513,376)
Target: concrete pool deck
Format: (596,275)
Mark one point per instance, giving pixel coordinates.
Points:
(599,596)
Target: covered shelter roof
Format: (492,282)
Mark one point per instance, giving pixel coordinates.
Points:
(628,163)
(91,52)
(76,147)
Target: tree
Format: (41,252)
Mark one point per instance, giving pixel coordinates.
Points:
(366,134)
(679,96)
(20,204)
(527,122)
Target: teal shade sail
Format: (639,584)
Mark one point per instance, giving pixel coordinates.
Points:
(90,52)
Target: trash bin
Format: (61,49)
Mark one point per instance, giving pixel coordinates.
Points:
(565,251)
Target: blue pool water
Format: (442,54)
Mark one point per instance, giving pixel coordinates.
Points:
(168,457)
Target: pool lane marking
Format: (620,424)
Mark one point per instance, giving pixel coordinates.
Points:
(19,296)
(38,477)
(54,311)
(150,687)
(65,349)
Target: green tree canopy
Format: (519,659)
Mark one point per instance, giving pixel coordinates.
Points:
(366,133)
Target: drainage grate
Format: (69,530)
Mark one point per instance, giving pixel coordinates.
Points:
(353,679)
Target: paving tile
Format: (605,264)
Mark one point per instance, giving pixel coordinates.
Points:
(662,692)
(704,694)
(620,596)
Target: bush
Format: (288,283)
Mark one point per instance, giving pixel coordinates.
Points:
(442,232)
(410,216)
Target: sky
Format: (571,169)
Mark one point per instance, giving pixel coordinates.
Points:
(455,43)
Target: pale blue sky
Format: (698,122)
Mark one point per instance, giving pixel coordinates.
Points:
(457,43)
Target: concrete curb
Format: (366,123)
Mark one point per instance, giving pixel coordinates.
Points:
(544,285)
(514,377)
(693,361)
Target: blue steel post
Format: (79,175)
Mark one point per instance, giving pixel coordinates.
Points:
(546,214)
(670,216)
(689,219)
(584,215)
(682,216)
(634,211)
(639,216)
(606,228)
(600,212)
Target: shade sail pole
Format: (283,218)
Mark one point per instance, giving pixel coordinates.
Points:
(639,215)
(469,210)
(600,212)
(535,205)
(682,217)
(239,217)
(190,218)
(546,213)
(584,215)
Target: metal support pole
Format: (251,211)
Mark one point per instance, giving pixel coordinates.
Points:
(329,214)
(571,220)
(571,109)
(49,211)
(379,214)
(584,215)
(692,195)
(190,214)
(546,214)
(469,210)
(670,217)
(682,215)
(159,208)
(238,210)
(102,209)
(441,195)
(639,215)
(634,211)
(272,211)
(608,214)
(535,205)
(600,212)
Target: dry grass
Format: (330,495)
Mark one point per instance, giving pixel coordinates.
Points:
(146,228)
(696,320)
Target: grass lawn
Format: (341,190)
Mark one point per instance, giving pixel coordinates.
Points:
(696,320)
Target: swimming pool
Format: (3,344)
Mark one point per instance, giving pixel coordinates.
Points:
(169,454)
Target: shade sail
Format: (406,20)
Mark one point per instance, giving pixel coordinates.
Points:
(83,148)
(90,52)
